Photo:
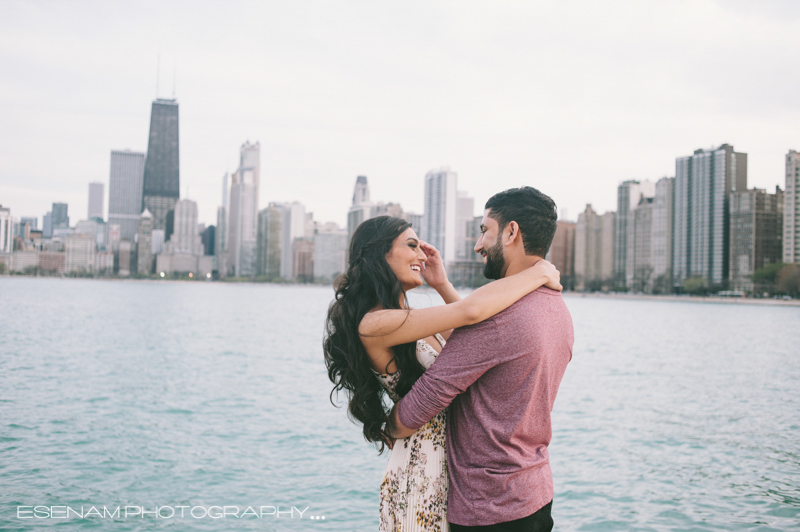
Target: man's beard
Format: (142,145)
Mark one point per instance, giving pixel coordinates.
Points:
(494,261)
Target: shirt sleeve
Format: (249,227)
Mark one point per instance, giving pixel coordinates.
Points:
(468,354)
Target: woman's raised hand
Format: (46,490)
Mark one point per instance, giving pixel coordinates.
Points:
(434,273)
(548,270)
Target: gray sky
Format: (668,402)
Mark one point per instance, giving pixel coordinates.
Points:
(569,97)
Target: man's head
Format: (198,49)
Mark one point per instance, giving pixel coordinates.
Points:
(517,222)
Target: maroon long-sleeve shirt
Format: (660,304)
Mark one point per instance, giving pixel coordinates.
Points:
(501,376)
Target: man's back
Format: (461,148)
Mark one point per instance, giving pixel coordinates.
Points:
(504,374)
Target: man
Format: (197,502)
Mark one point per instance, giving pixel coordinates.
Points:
(501,376)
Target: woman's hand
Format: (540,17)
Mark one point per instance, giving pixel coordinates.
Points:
(434,273)
(549,271)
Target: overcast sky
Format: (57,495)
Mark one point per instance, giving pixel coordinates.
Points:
(569,97)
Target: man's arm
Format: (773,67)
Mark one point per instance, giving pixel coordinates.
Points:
(470,352)
(395,428)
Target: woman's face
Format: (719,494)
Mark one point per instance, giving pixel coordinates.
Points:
(406,258)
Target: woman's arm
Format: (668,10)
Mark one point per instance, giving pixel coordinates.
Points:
(381,329)
(435,274)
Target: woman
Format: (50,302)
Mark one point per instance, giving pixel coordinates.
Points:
(376,344)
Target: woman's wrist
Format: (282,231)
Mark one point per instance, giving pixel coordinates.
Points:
(443,287)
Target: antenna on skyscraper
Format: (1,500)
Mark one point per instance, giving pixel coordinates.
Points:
(174,75)
(158,72)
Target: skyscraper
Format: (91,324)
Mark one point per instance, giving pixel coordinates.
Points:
(269,242)
(220,242)
(60,217)
(162,168)
(662,234)
(360,208)
(6,230)
(791,209)
(594,250)
(465,208)
(96,200)
(703,184)
(293,226)
(125,187)
(242,213)
(441,212)
(756,227)
(186,238)
(47,225)
(144,244)
(562,252)
(629,194)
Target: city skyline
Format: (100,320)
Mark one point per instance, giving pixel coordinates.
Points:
(571,98)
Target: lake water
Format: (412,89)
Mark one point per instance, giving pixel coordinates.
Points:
(671,416)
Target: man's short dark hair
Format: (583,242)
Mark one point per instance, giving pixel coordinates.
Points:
(534,212)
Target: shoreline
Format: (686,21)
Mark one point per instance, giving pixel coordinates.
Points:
(691,299)
(570,294)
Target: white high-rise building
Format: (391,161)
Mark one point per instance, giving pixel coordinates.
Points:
(126,184)
(6,230)
(439,223)
(293,226)
(629,195)
(185,237)
(465,217)
(662,234)
(330,251)
(96,195)
(594,250)
(703,184)
(242,215)
(791,209)
(360,208)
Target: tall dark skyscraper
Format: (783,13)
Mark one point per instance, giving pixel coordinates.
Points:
(161,171)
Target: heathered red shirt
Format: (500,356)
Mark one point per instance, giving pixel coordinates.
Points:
(501,376)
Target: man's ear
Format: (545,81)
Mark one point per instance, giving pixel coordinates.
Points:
(513,232)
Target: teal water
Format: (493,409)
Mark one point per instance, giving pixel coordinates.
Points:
(671,416)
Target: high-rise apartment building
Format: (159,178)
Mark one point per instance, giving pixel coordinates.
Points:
(162,168)
(293,226)
(126,182)
(47,225)
(303,260)
(594,250)
(465,214)
(639,269)
(80,253)
(330,251)
(242,214)
(439,223)
(703,184)
(185,237)
(269,242)
(60,216)
(791,209)
(416,223)
(144,244)
(756,231)
(6,230)
(96,195)
(629,195)
(360,207)
(662,235)
(220,242)
(562,252)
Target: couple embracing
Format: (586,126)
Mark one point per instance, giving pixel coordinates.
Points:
(473,381)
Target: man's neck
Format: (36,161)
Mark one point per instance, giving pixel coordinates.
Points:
(521,263)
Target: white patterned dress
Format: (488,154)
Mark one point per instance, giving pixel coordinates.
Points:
(414,488)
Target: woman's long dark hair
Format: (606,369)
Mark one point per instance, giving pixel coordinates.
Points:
(368,282)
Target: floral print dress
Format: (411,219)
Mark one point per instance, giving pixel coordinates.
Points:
(414,489)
